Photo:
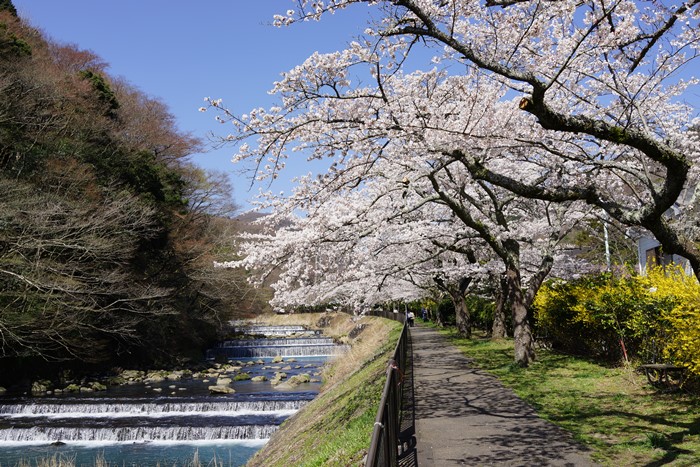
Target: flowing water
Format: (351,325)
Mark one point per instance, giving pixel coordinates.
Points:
(270,347)
(169,423)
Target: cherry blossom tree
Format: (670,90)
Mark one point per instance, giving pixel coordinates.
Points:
(419,231)
(397,163)
(557,101)
(600,84)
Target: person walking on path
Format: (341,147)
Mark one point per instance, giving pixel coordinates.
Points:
(465,416)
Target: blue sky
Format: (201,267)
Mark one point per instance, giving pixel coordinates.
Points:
(182,51)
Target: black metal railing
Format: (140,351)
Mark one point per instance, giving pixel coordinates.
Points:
(393,438)
(400,317)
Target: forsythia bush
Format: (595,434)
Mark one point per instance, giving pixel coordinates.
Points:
(678,296)
(651,318)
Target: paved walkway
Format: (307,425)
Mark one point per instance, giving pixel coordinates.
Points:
(466,417)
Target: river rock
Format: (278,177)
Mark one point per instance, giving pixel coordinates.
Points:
(174,376)
(98,386)
(40,387)
(221,389)
(259,378)
(294,381)
(277,359)
(132,375)
(116,380)
(2,390)
(302,378)
(154,378)
(279,376)
(242,377)
(223,381)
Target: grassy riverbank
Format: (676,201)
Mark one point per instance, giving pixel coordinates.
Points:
(335,428)
(614,411)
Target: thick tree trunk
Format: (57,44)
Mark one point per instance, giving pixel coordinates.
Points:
(498,330)
(463,318)
(438,317)
(524,343)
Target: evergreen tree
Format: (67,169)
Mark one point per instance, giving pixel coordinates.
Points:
(6,5)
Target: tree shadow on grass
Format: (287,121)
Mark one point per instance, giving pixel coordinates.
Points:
(458,390)
(665,431)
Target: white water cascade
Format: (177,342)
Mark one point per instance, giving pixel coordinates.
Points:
(273,347)
(159,419)
(140,420)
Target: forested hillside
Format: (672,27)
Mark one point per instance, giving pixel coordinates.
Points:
(107,232)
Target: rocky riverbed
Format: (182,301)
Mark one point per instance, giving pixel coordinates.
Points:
(218,376)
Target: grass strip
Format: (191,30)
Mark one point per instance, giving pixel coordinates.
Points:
(613,410)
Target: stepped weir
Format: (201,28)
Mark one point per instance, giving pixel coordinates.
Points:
(157,419)
(272,347)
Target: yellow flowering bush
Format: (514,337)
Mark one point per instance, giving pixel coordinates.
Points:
(589,316)
(677,295)
(651,318)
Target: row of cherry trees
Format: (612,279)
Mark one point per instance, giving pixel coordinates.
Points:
(467,139)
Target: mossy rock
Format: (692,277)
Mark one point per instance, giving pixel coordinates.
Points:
(116,381)
(40,387)
(302,378)
(98,386)
(242,377)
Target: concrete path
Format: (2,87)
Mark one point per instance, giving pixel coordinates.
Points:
(466,417)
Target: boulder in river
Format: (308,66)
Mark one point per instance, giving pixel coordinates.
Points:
(40,387)
(221,389)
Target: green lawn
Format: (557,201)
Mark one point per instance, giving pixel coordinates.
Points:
(612,410)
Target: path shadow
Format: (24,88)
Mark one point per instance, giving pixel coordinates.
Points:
(472,419)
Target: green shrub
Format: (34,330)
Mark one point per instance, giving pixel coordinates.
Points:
(481,312)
